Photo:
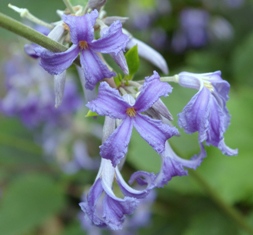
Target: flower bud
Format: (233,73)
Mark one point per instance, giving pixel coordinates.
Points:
(96,4)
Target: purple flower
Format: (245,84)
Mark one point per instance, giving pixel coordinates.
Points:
(30,94)
(110,103)
(207,112)
(101,206)
(132,224)
(82,37)
(173,165)
(30,48)
(193,31)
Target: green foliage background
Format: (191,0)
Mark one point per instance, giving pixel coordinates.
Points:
(38,198)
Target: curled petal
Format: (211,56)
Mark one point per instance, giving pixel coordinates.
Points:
(81,27)
(226,150)
(218,122)
(115,147)
(96,4)
(90,204)
(169,169)
(109,102)
(143,178)
(114,211)
(173,165)
(129,191)
(30,49)
(56,63)
(154,131)
(104,209)
(59,84)
(94,69)
(195,114)
(112,40)
(222,88)
(161,109)
(150,92)
(120,59)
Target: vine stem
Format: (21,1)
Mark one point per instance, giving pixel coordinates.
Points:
(69,6)
(30,34)
(36,37)
(237,217)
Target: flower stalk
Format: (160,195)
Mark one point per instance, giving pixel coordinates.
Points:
(69,6)
(32,35)
(24,13)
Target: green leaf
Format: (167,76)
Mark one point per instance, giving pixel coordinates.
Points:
(210,222)
(146,4)
(91,114)
(28,202)
(74,229)
(118,79)
(17,141)
(249,221)
(133,61)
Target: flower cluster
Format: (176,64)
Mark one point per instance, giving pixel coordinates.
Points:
(197,25)
(30,95)
(126,104)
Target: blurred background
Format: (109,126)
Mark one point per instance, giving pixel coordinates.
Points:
(49,157)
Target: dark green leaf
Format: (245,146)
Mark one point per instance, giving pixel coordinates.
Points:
(28,202)
(91,114)
(210,222)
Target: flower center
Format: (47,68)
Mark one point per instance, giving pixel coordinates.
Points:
(208,85)
(131,112)
(83,45)
(66,27)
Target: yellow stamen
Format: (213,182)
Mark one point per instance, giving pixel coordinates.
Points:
(66,27)
(208,85)
(83,45)
(131,112)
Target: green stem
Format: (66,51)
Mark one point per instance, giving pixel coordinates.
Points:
(170,79)
(69,6)
(229,210)
(30,34)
